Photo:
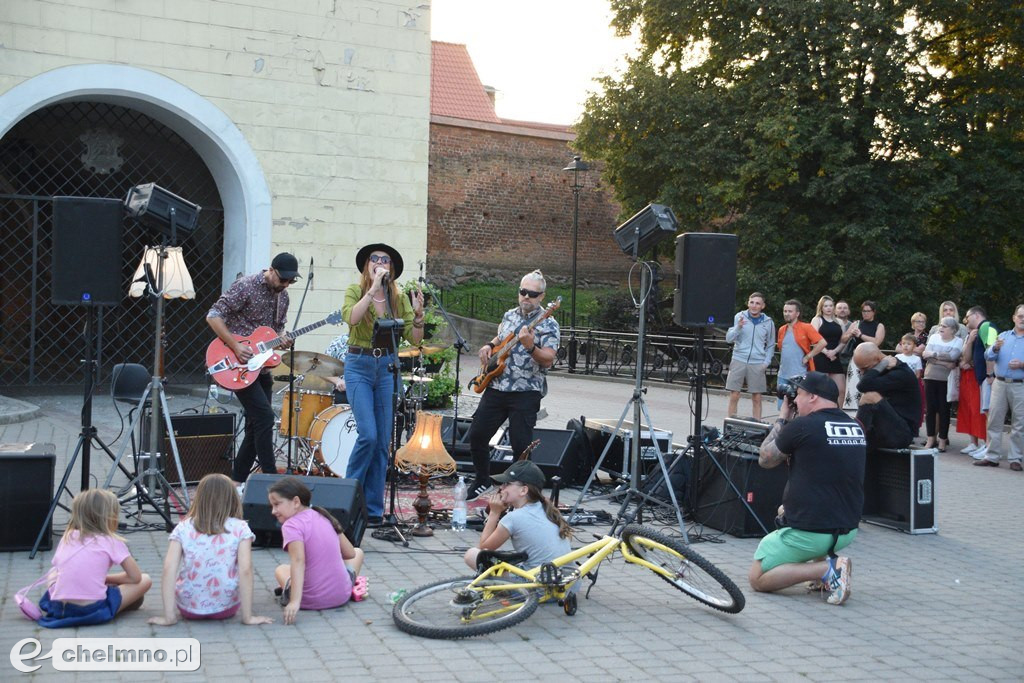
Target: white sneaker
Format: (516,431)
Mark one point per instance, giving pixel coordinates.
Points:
(969,448)
(980,453)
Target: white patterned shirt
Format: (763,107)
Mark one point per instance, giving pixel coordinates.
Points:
(522,373)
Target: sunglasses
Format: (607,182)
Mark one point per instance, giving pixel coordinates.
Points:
(380,258)
(283,280)
(529,292)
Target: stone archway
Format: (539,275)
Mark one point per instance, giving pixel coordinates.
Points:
(232,163)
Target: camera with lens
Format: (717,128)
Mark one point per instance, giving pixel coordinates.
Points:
(788,391)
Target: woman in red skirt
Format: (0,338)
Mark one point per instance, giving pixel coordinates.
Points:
(969,418)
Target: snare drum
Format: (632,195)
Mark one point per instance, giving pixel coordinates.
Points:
(306,405)
(333,436)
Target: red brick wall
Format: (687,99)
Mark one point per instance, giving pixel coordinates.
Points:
(499,201)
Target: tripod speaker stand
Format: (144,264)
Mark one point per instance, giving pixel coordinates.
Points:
(631,489)
(87,437)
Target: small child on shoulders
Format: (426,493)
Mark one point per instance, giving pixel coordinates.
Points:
(208,567)
(520,512)
(323,568)
(82,592)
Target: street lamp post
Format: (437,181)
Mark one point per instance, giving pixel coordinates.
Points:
(575,166)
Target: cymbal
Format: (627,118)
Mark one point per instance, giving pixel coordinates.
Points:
(309,382)
(425,350)
(310,362)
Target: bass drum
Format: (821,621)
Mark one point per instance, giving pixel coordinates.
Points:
(333,436)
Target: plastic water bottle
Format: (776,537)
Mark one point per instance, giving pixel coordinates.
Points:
(459,506)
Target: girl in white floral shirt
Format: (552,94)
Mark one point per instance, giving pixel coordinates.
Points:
(208,567)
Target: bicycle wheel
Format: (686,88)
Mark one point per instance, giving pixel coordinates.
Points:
(449,610)
(683,568)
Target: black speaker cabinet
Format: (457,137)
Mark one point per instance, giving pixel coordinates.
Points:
(343,498)
(206,445)
(87,251)
(717,504)
(556,454)
(461,451)
(899,489)
(26,489)
(705,292)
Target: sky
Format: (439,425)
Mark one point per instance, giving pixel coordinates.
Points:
(541,55)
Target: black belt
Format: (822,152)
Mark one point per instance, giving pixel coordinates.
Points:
(376,351)
(1010,381)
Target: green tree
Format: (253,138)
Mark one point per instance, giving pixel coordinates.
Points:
(816,131)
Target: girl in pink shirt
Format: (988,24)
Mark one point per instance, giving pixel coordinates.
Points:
(208,566)
(81,592)
(323,568)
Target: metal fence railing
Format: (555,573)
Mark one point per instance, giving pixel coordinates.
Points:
(667,358)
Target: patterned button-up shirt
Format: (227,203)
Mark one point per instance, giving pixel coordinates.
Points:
(522,372)
(250,303)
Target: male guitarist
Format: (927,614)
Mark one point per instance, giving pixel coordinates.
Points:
(248,303)
(514,394)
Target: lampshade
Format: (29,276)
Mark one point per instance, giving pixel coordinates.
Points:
(425,453)
(177,282)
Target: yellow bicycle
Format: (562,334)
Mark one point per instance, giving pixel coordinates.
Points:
(504,595)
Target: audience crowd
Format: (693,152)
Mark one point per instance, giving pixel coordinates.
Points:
(962,365)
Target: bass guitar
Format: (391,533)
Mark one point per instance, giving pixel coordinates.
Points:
(223,365)
(499,356)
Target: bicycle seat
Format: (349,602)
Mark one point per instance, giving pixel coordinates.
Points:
(488,558)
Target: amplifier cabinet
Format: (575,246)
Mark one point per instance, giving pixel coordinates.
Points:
(26,489)
(899,489)
(206,445)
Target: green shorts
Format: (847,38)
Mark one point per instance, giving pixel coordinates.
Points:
(790,546)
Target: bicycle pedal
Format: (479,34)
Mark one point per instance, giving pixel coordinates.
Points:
(549,575)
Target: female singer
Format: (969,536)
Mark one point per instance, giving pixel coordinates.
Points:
(368,380)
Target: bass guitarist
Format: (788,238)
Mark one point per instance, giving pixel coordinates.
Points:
(250,302)
(514,394)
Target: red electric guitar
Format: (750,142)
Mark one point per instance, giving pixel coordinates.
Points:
(223,365)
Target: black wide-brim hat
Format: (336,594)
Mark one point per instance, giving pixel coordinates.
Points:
(365,252)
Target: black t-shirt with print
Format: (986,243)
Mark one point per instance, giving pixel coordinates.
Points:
(825,491)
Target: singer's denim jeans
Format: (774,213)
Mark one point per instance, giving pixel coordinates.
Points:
(370,386)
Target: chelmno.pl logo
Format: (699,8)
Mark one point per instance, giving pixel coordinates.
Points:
(109,654)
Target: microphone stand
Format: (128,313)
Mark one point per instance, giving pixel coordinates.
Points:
(460,345)
(291,399)
(395,326)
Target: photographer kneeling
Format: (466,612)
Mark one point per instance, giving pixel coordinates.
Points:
(824,496)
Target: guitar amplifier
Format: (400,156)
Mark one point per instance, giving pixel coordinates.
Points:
(899,489)
(206,444)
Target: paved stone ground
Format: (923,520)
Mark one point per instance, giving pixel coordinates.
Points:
(934,607)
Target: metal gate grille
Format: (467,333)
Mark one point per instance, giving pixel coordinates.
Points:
(90,149)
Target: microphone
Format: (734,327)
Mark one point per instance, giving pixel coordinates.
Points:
(310,268)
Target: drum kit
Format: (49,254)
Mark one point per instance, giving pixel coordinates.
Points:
(325,432)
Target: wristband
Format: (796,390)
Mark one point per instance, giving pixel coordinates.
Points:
(532,350)
(491,344)
(991,374)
